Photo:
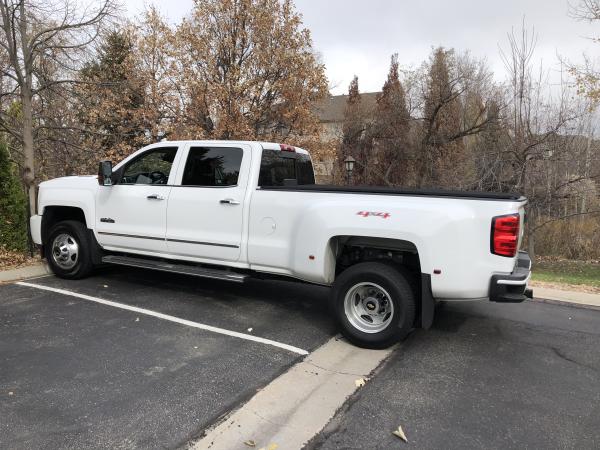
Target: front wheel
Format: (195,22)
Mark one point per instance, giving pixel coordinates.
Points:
(68,250)
(374,304)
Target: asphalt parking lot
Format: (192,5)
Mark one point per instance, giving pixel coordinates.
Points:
(488,376)
(75,373)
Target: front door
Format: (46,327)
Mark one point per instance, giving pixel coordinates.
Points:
(206,204)
(132,214)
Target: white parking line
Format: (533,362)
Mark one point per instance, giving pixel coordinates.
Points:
(158,315)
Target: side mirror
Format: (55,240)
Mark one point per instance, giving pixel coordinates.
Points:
(105,173)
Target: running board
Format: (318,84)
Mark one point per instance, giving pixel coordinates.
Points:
(164,266)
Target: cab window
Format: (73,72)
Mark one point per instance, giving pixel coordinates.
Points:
(279,168)
(212,166)
(151,167)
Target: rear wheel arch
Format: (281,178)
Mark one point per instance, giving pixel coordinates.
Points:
(344,252)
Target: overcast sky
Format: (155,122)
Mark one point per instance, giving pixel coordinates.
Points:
(358,37)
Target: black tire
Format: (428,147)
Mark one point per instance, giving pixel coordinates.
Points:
(82,263)
(395,283)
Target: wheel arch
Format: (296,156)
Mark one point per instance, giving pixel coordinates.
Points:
(399,252)
(57,213)
(54,214)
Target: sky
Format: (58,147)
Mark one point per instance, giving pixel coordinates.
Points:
(358,37)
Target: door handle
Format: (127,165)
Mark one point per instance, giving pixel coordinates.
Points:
(155,197)
(229,201)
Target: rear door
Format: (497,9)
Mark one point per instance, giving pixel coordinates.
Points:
(205,216)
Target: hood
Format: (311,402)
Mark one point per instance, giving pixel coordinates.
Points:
(71,181)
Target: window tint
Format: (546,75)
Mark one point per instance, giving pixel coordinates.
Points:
(152,167)
(217,166)
(279,168)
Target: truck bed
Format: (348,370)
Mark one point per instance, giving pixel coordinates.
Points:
(383,190)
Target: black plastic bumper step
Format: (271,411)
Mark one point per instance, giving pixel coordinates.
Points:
(164,266)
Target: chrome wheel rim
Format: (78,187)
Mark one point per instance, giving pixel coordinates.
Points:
(65,251)
(368,307)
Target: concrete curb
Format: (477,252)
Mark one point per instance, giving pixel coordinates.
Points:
(22,273)
(569,298)
(296,406)
(566,303)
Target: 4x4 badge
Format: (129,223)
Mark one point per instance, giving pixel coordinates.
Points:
(383,215)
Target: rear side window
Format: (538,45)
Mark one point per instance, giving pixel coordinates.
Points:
(212,166)
(278,168)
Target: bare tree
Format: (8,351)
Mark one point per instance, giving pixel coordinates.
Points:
(540,145)
(455,94)
(35,34)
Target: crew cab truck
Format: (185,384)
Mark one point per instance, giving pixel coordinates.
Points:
(235,209)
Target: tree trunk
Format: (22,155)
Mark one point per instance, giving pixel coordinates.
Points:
(531,243)
(28,150)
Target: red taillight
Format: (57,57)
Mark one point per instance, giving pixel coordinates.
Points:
(287,148)
(505,235)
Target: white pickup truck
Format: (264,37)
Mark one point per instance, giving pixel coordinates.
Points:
(234,209)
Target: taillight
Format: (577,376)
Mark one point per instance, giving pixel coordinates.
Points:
(287,148)
(505,235)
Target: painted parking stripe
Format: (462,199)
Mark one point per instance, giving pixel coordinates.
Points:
(158,315)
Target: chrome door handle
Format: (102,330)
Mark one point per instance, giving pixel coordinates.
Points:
(155,197)
(229,201)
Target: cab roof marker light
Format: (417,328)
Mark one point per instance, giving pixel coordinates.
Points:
(287,148)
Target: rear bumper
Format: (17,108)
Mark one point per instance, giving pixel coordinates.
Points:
(512,288)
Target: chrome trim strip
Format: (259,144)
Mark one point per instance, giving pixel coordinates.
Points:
(182,241)
(131,236)
(202,243)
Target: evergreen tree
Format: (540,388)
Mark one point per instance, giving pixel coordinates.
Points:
(112,99)
(352,133)
(441,152)
(390,154)
(13,205)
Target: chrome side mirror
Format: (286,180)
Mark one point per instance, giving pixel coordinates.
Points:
(105,173)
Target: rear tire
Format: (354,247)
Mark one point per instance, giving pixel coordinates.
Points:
(68,250)
(374,304)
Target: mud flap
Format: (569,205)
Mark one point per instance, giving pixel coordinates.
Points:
(427,302)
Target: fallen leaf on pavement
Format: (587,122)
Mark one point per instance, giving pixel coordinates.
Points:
(249,330)
(137,319)
(250,443)
(400,433)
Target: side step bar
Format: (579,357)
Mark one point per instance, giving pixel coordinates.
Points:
(196,271)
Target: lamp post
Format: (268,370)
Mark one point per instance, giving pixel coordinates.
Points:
(349,163)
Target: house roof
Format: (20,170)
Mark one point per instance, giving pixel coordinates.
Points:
(332,108)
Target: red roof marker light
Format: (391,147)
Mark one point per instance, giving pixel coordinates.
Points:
(287,148)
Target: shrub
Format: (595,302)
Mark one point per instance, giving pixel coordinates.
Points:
(575,238)
(13,205)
